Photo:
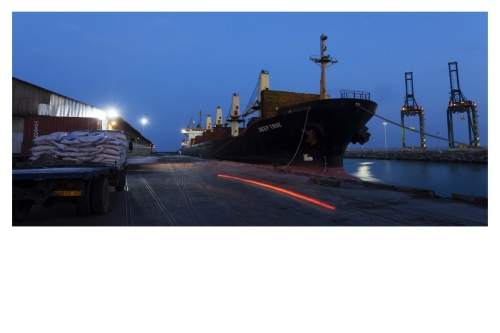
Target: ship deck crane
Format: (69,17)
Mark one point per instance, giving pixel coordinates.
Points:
(234,116)
(254,104)
(199,124)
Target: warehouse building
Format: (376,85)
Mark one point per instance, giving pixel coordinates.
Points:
(37,111)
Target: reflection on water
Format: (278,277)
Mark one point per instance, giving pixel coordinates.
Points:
(443,178)
(364,172)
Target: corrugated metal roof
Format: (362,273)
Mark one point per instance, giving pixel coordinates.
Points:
(26,97)
(31,100)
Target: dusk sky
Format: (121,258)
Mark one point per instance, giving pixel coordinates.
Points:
(171,65)
(173,61)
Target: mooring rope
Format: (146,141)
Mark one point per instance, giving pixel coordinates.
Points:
(301,137)
(234,137)
(409,128)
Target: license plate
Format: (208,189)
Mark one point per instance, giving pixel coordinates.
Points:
(68,193)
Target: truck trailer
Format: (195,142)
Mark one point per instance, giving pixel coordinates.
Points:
(79,169)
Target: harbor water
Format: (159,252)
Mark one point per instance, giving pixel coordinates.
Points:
(443,178)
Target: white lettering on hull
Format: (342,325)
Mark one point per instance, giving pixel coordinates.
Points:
(269,127)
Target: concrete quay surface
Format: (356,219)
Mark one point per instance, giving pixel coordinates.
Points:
(177,190)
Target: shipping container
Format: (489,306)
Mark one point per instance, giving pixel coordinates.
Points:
(34,126)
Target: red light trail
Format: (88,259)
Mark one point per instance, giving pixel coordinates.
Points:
(282,190)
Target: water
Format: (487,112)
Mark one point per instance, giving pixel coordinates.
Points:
(443,178)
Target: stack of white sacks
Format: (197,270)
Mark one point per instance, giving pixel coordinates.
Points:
(109,148)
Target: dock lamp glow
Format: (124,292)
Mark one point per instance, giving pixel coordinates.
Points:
(385,134)
(112,114)
(144,121)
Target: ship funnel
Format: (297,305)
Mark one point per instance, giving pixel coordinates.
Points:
(208,126)
(218,117)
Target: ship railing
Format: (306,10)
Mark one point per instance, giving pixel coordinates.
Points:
(354,94)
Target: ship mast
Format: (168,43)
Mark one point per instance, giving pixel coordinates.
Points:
(325,61)
(200,113)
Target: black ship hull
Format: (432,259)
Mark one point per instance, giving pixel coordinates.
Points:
(312,134)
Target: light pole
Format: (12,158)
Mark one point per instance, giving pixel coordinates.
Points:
(385,135)
(439,149)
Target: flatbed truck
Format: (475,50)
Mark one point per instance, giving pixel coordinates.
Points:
(85,186)
(50,181)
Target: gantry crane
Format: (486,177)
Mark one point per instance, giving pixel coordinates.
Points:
(459,104)
(411,108)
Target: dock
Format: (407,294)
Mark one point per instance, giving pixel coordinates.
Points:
(178,190)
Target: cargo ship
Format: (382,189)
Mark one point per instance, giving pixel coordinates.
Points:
(307,132)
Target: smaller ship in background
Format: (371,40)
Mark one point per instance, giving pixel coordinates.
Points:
(292,130)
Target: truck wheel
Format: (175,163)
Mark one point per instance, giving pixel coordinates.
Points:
(52,202)
(21,209)
(83,203)
(99,196)
(121,180)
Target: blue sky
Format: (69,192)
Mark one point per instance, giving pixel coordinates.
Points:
(171,65)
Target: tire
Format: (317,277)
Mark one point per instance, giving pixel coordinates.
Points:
(99,196)
(52,202)
(121,180)
(21,209)
(83,203)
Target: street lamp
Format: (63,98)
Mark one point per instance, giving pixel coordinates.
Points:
(385,134)
(439,149)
